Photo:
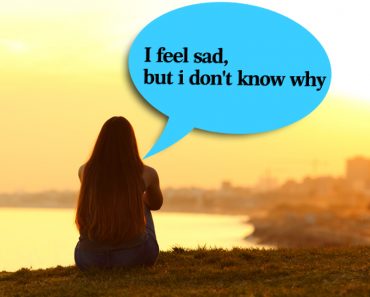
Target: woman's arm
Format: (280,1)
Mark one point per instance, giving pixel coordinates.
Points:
(153,195)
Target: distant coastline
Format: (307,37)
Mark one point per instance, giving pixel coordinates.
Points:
(315,212)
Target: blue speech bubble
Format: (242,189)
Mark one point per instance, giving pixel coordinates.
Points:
(227,68)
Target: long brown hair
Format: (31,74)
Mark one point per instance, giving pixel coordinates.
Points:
(110,204)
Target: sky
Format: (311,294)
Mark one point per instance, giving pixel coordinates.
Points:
(63,73)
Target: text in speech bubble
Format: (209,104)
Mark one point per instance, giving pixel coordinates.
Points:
(227,68)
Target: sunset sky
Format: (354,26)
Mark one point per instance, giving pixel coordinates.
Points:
(63,73)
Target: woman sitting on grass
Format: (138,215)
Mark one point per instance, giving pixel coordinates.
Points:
(113,210)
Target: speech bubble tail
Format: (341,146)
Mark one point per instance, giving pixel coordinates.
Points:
(174,131)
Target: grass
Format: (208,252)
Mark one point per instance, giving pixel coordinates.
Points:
(209,272)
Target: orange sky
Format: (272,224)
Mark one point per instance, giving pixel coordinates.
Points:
(62,75)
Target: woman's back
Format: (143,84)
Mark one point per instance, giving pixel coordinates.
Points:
(116,196)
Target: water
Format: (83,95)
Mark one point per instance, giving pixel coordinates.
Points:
(40,238)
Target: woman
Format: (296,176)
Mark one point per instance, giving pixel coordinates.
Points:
(113,210)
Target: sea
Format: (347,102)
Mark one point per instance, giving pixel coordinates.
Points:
(46,237)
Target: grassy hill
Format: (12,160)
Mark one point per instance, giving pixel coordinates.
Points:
(209,272)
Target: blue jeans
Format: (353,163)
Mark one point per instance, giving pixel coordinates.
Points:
(145,252)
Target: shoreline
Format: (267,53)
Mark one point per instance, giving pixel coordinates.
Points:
(283,226)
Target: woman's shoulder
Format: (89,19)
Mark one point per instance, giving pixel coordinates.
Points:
(150,176)
(81,170)
(149,173)
(149,170)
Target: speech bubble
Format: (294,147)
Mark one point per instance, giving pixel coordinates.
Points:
(255,46)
